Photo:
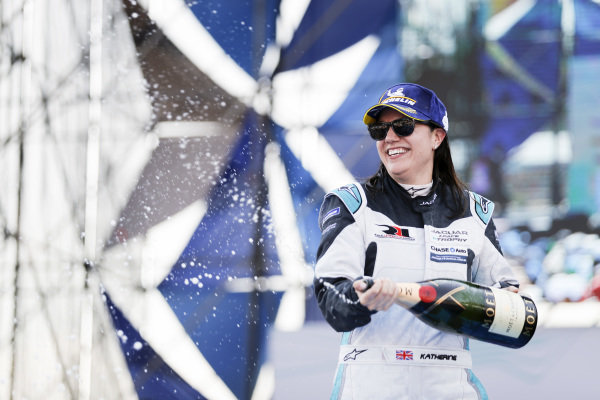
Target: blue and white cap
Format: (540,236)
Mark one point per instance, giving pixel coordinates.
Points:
(412,100)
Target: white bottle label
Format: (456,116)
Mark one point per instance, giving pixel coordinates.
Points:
(510,314)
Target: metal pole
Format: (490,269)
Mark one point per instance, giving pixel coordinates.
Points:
(91,200)
(565,38)
(22,130)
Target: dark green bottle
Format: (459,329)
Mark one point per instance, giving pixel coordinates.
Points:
(488,314)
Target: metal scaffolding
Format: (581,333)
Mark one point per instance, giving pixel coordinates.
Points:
(66,69)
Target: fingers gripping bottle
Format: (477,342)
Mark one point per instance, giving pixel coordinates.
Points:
(484,313)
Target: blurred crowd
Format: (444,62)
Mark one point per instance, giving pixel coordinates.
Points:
(561,264)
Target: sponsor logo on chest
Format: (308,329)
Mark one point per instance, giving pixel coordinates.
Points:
(448,258)
(448,235)
(448,250)
(393,232)
(448,254)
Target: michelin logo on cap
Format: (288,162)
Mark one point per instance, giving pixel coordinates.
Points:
(397,99)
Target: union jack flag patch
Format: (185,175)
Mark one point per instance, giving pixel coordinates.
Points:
(404,355)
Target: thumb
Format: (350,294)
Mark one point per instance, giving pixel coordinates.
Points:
(360,285)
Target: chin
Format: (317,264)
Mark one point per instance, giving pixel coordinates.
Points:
(397,176)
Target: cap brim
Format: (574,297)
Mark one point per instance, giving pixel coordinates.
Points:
(372,113)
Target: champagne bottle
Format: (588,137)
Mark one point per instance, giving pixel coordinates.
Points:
(484,313)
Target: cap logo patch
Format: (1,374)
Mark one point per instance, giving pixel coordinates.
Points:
(397,92)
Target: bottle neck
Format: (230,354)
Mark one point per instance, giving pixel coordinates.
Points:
(408,294)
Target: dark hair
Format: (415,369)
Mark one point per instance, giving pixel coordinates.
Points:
(443,171)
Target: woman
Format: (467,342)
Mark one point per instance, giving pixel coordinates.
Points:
(411,221)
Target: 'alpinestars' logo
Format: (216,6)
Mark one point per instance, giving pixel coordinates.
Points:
(352,355)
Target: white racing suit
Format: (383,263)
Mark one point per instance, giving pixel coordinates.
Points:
(392,354)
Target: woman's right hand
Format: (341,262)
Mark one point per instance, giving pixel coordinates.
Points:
(379,297)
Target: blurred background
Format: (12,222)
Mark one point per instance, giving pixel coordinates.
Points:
(162,163)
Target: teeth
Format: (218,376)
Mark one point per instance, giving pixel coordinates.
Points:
(393,152)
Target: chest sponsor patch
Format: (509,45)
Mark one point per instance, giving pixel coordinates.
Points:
(393,232)
(448,235)
(448,254)
(448,258)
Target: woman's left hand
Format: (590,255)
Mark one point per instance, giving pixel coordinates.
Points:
(511,288)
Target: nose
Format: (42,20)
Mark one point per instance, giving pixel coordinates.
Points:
(391,135)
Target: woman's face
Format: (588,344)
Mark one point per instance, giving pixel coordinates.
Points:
(409,159)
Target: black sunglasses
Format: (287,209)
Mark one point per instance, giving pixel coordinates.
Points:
(401,127)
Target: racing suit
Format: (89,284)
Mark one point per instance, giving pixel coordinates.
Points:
(392,354)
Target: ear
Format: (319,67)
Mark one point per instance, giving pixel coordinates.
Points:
(438,137)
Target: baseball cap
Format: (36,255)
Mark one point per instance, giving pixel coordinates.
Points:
(412,100)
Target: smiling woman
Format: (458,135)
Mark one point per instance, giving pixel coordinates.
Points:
(417,208)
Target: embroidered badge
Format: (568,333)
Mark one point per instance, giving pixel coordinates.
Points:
(351,197)
(483,208)
(393,232)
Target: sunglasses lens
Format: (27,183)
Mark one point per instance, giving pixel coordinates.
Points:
(404,126)
(378,131)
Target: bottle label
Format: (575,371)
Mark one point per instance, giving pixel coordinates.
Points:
(509,316)
(408,293)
